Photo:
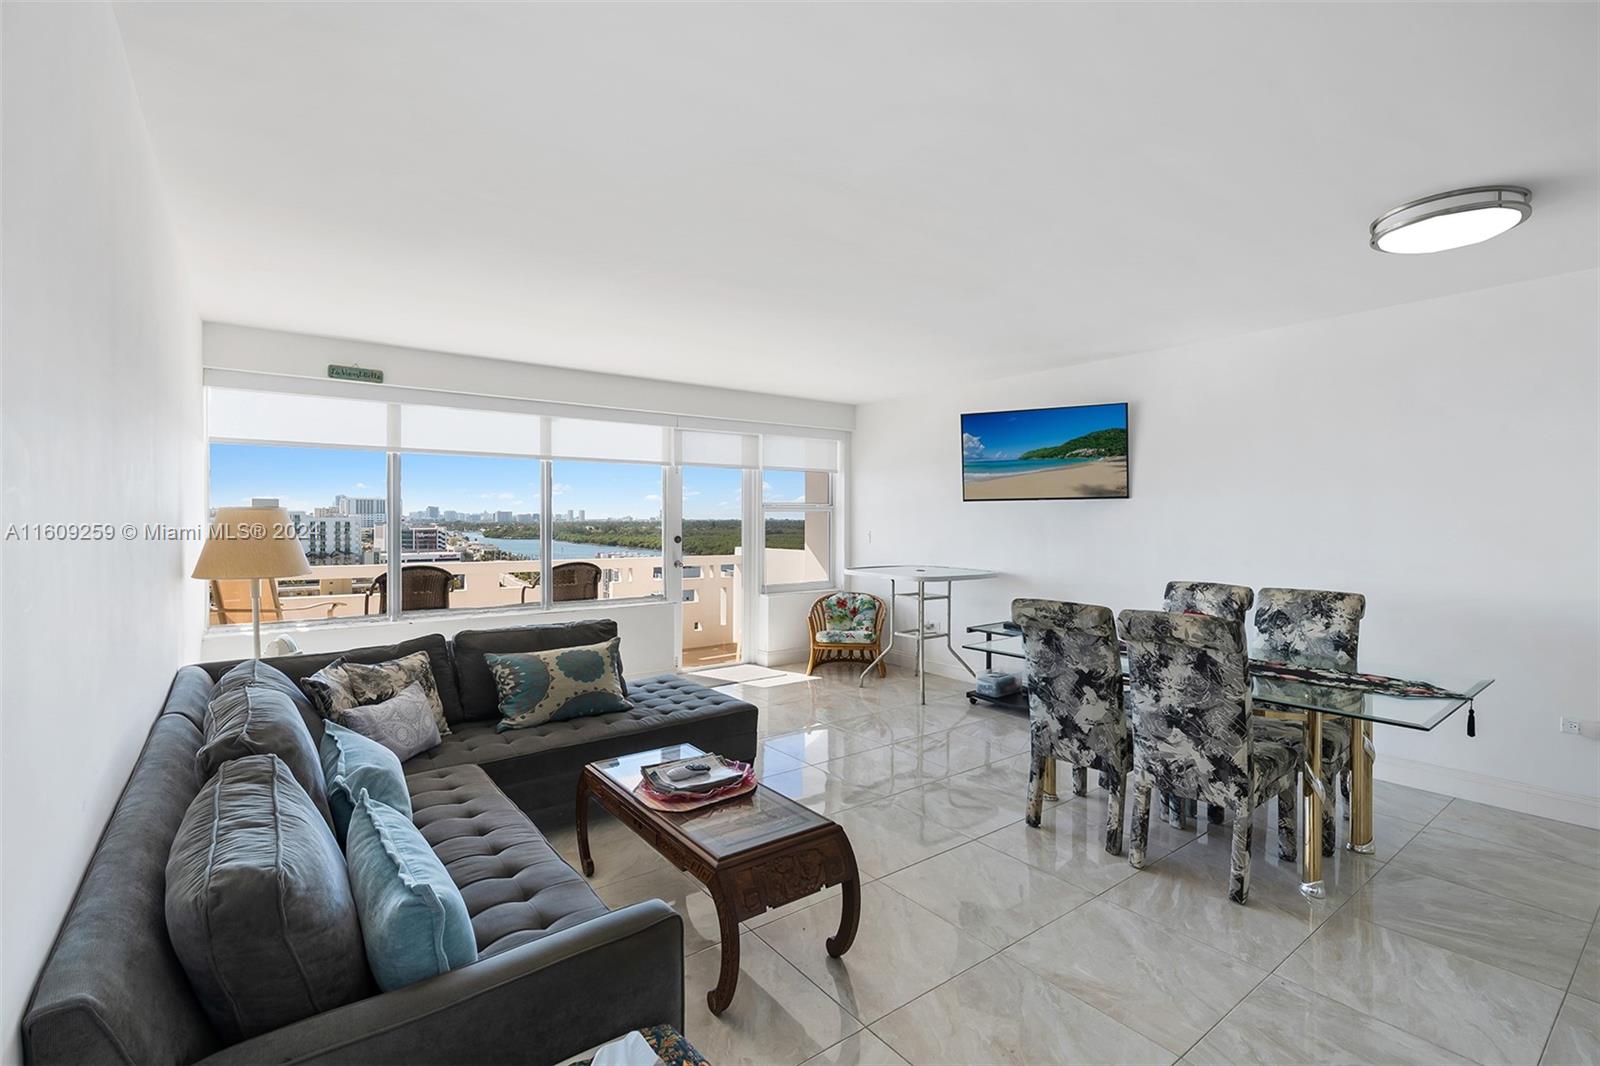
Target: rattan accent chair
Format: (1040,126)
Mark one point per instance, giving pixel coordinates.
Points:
(574,581)
(846,627)
(422,588)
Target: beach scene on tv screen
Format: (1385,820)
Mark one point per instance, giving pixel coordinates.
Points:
(1054,453)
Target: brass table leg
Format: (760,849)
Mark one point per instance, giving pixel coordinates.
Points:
(1050,778)
(1361,789)
(1311,807)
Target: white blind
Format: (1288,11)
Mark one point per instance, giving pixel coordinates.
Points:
(582,438)
(282,418)
(799,453)
(698,447)
(425,428)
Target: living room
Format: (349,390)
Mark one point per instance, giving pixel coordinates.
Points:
(961,442)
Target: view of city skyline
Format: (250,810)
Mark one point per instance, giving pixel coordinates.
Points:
(303,479)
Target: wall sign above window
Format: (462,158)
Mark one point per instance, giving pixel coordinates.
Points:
(355,373)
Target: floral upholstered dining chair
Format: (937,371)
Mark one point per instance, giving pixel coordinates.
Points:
(1193,734)
(1218,600)
(1318,629)
(1075,707)
(846,627)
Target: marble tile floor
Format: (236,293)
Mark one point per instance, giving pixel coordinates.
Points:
(1470,936)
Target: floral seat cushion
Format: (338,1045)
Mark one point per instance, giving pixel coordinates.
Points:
(849,612)
(847,636)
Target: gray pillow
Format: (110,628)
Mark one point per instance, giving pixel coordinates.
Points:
(256,672)
(258,903)
(258,719)
(405,724)
(341,686)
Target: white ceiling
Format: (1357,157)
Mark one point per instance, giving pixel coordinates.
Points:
(847,201)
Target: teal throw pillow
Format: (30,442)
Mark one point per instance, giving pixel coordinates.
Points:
(414,922)
(351,763)
(534,687)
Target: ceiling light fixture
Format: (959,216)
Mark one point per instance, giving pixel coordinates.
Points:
(1451,219)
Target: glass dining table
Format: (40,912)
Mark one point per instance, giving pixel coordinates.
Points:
(1312,701)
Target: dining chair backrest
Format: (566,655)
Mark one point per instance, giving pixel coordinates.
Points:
(1188,704)
(1075,680)
(1310,627)
(1209,597)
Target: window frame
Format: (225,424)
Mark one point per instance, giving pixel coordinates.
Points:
(830,580)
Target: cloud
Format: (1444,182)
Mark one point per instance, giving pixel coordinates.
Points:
(691,492)
(359,485)
(971,446)
(497,496)
(560,489)
(653,497)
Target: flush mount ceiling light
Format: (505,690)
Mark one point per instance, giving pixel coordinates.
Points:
(1451,219)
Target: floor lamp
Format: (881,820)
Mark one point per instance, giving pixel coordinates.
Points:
(251,543)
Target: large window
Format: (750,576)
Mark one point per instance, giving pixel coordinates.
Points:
(605,530)
(335,498)
(427,503)
(797,520)
(469,532)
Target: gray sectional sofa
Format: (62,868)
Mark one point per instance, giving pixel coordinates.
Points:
(556,973)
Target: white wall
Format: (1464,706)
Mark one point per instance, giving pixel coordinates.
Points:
(100,400)
(266,351)
(1439,457)
(645,629)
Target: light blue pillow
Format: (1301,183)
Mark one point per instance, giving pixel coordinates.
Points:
(352,762)
(413,920)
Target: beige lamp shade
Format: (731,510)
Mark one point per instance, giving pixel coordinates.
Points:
(250,542)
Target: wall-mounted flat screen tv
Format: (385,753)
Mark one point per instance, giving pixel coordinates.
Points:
(1047,453)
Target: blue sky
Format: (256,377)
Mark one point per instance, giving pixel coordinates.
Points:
(1007,434)
(304,478)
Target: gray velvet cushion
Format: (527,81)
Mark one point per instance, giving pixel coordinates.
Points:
(258,903)
(353,764)
(405,723)
(259,719)
(342,686)
(480,700)
(256,672)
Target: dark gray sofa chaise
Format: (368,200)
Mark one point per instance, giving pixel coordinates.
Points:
(557,972)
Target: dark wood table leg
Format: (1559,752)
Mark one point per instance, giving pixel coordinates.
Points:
(584,859)
(728,979)
(849,918)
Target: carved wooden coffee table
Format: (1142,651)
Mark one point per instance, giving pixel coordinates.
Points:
(753,853)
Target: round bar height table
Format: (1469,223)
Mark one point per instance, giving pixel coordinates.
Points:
(922,577)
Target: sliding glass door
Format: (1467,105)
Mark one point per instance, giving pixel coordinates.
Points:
(714,577)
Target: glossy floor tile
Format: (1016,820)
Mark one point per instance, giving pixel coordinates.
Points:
(1282,1022)
(901,951)
(1009,775)
(1466,1006)
(1549,882)
(1000,1012)
(819,743)
(858,1049)
(972,809)
(819,790)
(777,1018)
(682,892)
(1522,832)
(1535,943)
(618,852)
(887,837)
(1586,981)
(1575,1040)
(1159,983)
(1069,843)
(1390,800)
(985,894)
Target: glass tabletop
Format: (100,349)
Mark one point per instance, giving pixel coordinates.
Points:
(723,829)
(997,629)
(1408,712)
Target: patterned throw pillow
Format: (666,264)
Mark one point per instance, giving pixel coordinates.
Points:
(534,687)
(850,611)
(341,686)
(405,724)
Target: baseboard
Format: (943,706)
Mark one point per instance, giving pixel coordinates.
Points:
(1572,807)
(773,657)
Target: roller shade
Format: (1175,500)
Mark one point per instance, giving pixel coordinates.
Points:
(799,453)
(633,442)
(425,428)
(284,418)
(703,448)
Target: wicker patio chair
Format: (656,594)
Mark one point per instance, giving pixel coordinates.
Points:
(846,627)
(574,581)
(422,588)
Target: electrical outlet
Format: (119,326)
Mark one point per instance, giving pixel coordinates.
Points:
(1573,726)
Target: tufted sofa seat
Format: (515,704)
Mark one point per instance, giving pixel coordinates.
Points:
(538,766)
(517,889)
